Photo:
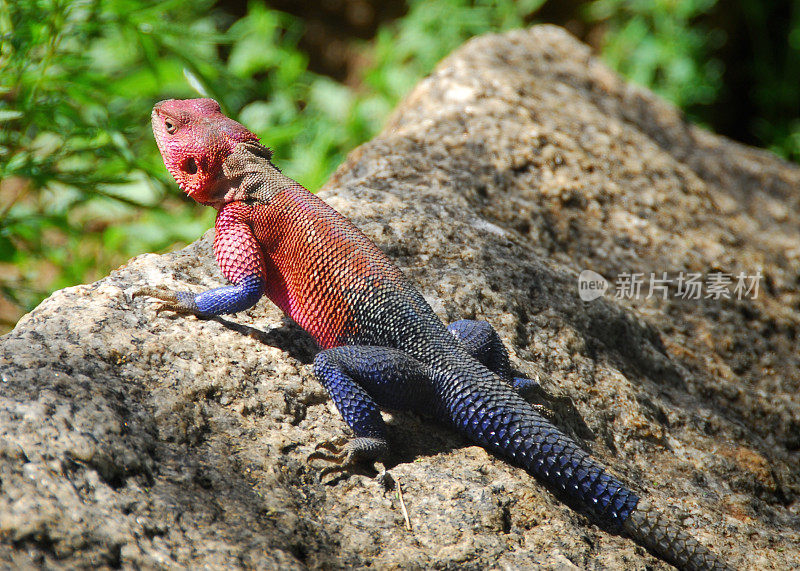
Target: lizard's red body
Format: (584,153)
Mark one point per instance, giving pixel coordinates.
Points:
(301,278)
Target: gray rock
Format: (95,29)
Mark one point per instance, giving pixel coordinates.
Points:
(143,441)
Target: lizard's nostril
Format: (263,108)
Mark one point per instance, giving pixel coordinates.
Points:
(190,166)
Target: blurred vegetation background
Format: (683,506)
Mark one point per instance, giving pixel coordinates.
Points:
(82,187)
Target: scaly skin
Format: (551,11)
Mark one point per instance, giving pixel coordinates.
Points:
(383,346)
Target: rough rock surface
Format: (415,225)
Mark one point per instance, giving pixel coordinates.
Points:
(136,440)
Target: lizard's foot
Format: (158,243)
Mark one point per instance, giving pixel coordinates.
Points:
(530,389)
(177,301)
(345,454)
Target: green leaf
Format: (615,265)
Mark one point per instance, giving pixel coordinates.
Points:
(7,249)
(9,115)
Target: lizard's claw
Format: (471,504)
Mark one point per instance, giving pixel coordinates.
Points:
(333,446)
(175,301)
(335,452)
(345,455)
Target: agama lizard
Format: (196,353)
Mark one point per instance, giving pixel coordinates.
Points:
(383,347)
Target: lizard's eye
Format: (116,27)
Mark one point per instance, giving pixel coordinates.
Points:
(190,166)
(171,127)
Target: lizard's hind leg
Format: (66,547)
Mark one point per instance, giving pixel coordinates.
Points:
(361,380)
(482,342)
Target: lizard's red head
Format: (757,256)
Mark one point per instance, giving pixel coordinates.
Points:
(194,138)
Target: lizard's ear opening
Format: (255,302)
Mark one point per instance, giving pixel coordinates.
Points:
(190,166)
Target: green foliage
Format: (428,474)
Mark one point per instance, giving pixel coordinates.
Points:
(673,47)
(409,49)
(775,70)
(82,187)
(654,43)
(78,80)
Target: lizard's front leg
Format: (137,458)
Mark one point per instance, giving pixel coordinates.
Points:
(361,380)
(218,301)
(241,260)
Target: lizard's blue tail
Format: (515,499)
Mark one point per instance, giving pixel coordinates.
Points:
(501,421)
(491,414)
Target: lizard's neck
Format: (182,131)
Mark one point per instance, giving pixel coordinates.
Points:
(249,176)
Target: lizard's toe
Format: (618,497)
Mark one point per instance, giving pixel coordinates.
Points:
(530,389)
(333,445)
(330,451)
(346,455)
(548,413)
(174,301)
(159,292)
